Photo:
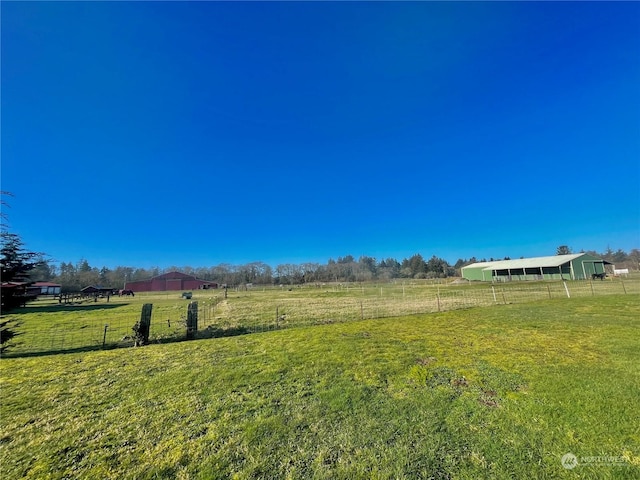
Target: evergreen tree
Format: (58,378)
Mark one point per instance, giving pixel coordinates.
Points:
(15,265)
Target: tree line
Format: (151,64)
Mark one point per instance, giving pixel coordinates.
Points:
(75,276)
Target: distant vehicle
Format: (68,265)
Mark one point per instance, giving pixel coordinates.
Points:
(187,295)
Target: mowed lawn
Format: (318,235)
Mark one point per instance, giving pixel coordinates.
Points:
(493,392)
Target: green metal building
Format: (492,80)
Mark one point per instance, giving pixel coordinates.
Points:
(580,266)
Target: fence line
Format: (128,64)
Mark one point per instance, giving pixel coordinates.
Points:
(218,316)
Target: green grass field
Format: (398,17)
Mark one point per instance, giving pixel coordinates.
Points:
(502,391)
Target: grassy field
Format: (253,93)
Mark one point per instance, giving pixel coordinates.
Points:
(503,391)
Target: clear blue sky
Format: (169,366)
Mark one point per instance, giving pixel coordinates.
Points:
(198,133)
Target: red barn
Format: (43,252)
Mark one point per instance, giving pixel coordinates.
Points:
(170,281)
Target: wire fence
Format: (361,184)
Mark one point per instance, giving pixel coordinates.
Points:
(47,327)
(303,311)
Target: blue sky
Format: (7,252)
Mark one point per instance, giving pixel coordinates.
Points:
(200,133)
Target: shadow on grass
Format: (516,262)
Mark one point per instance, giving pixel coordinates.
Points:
(207,333)
(214,332)
(66,308)
(58,351)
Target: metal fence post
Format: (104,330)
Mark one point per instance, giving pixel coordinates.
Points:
(104,336)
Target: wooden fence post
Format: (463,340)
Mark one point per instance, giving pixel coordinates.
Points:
(142,328)
(192,319)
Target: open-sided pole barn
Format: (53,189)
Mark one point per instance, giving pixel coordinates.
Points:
(580,266)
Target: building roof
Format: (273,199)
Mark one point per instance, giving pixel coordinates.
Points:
(46,284)
(96,288)
(174,275)
(534,262)
(14,284)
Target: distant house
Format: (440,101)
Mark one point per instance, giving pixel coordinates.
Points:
(579,266)
(33,289)
(171,281)
(44,288)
